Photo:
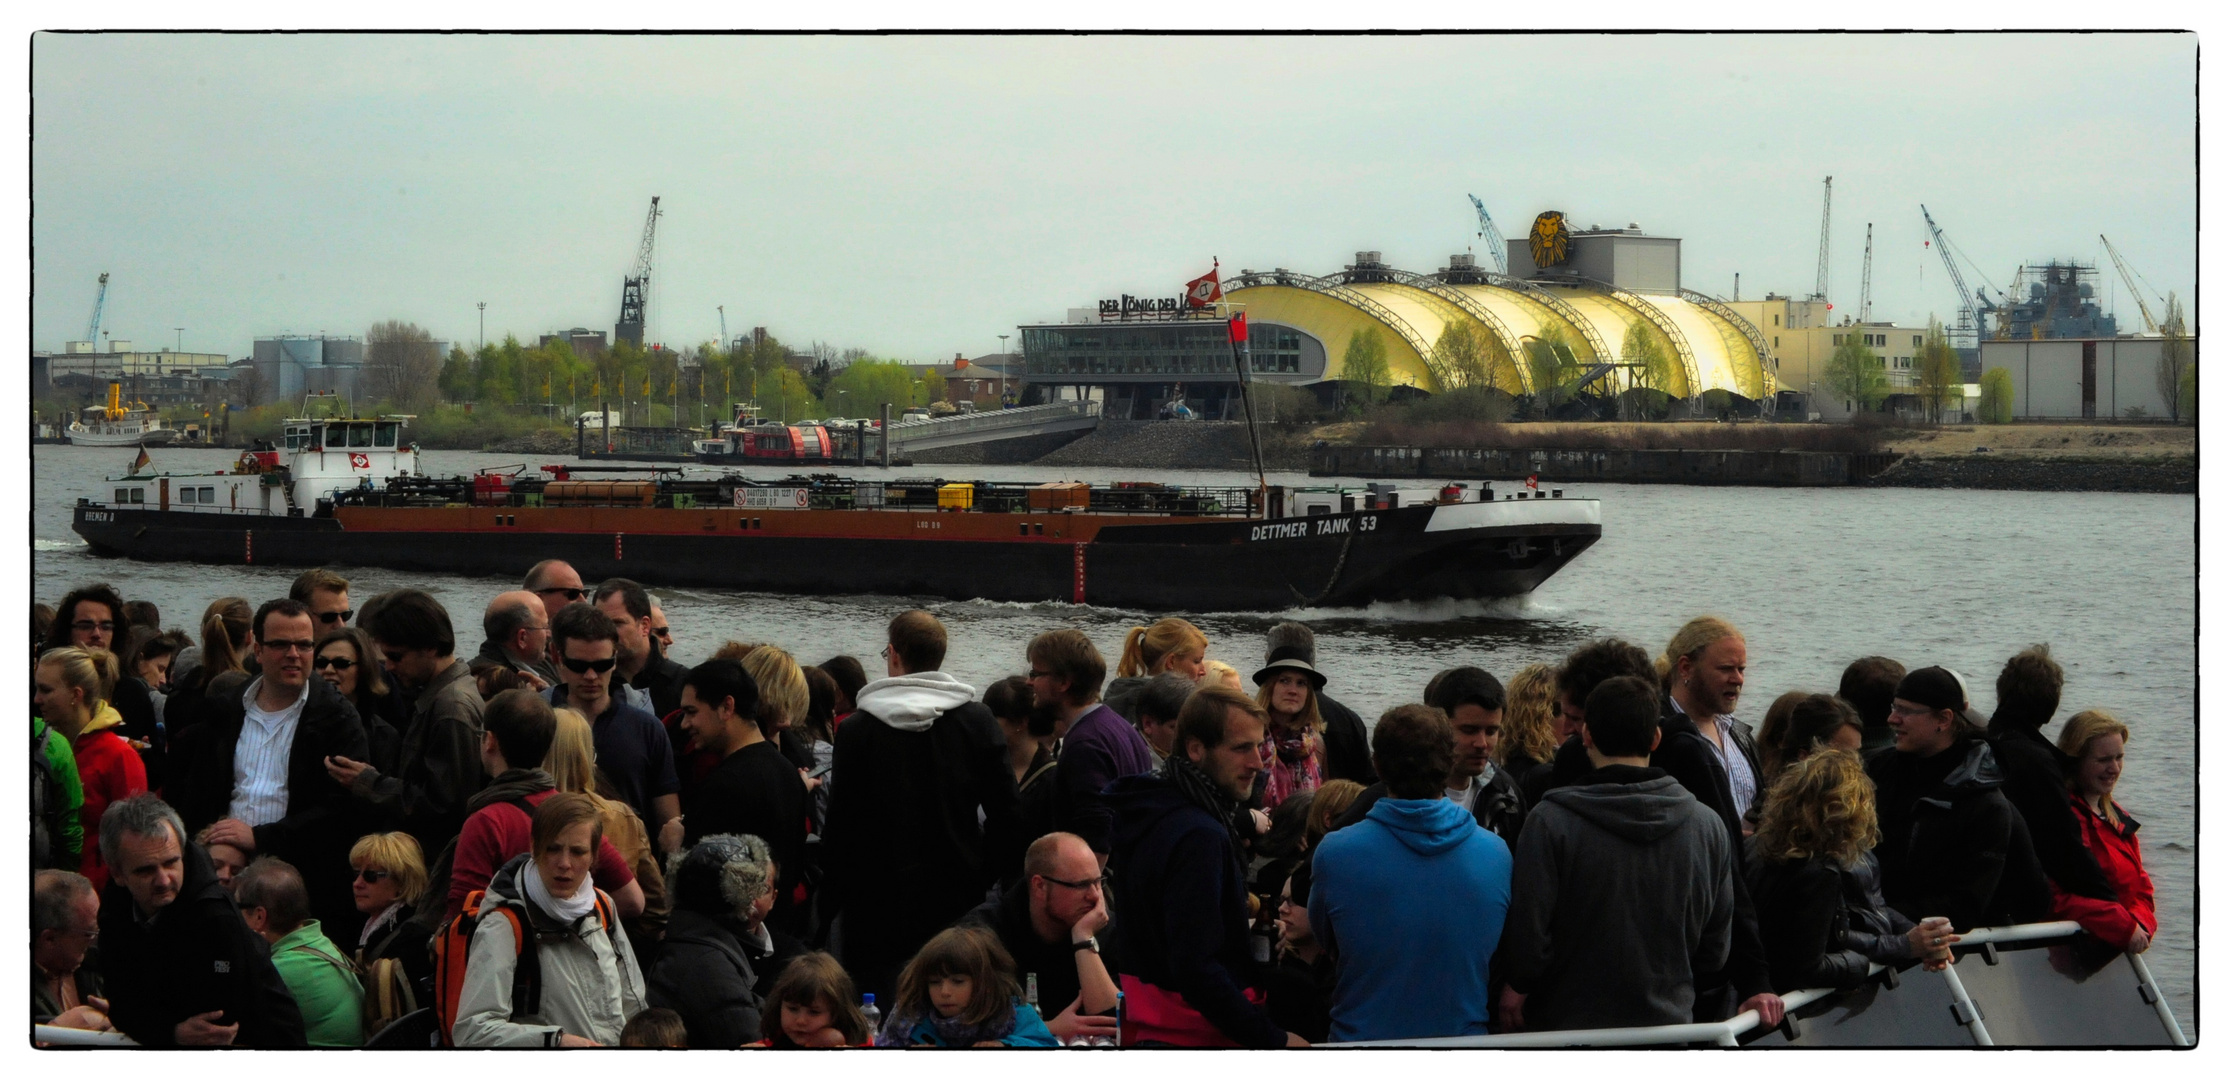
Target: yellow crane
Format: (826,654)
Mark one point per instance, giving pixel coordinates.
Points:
(2129,279)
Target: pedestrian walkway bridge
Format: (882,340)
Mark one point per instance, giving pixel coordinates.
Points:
(993,425)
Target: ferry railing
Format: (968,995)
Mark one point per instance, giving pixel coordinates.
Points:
(49,1035)
(1729,1032)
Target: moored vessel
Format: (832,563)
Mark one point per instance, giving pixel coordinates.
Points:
(118,424)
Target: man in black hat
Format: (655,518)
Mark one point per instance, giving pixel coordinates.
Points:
(1951,845)
(1346,743)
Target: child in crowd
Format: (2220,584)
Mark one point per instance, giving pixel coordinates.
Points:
(1218,671)
(960,991)
(655,1029)
(812,1005)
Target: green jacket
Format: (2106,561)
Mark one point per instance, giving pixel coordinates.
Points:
(61,764)
(323,985)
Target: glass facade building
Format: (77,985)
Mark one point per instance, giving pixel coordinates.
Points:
(1196,350)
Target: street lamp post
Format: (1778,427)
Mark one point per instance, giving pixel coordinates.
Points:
(1002,358)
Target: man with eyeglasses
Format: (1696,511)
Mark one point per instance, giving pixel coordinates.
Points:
(439,754)
(1065,671)
(631,746)
(518,637)
(658,627)
(65,922)
(556,582)
(92,617)
(252,774)
(325,593)
(1052,923)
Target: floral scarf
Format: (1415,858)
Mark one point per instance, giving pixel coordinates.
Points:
(1294,760)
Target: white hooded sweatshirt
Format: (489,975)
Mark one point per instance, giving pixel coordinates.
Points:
(913,702)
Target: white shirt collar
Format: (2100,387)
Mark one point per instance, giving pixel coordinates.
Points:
(248,696)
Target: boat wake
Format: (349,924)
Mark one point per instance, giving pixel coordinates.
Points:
(57,545)
(1425,611)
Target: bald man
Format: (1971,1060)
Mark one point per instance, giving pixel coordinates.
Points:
(518,629)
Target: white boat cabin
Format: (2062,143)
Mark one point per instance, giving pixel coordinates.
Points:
(318,457)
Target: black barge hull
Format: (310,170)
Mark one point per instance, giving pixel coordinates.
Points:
(1463,551)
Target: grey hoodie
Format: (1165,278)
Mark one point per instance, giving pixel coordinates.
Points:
(1623,891)
(913,702)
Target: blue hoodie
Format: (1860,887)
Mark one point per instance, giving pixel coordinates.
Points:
(1411,901)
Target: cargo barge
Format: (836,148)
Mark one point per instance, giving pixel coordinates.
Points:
(350,492)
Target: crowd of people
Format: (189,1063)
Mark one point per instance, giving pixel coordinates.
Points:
(314,824)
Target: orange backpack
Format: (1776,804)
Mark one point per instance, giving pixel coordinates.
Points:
(452,948)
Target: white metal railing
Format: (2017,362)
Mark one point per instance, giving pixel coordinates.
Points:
(49,1035)
(1728,1032)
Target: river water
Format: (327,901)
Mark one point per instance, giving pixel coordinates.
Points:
(1813,577)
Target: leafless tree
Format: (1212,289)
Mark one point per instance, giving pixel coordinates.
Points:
(401,364)
(2174,358)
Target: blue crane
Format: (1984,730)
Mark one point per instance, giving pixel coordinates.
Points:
(1495,245)
(100,300)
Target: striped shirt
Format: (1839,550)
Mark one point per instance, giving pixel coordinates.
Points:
(1741,781)
(259,758)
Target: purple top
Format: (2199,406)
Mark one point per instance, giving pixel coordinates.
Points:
(1100,748)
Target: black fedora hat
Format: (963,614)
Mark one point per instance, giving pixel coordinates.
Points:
(1290,663)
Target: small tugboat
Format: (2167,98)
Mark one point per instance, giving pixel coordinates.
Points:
(346,490)
(117,424)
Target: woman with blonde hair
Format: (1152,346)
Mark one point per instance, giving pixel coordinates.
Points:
(72,687)
(2096,741)
(1293,753)
(390,887)
(1171,644)
(571,762)
(1817,888)
(1528,721)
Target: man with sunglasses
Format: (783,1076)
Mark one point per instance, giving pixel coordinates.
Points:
(1052,923)
(439,754)
(631,745)
(325,593)
(252,774)
(557,583)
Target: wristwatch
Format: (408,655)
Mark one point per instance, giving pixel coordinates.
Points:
(1091,943)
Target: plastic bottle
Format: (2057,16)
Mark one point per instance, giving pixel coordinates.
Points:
(874,1018)
(1030,994)
(1119,1013)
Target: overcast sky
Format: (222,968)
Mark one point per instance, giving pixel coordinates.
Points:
(919,196)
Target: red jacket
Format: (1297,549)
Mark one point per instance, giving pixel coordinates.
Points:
(111,772)
(2117,854)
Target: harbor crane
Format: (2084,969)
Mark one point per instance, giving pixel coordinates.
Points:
(1826,219)
(634,292)
(1495,245)
(2127,276)
(100,300)
(1865,280)
(1967,333)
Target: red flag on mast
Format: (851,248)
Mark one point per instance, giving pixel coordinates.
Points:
(1238,328)
(1205,289)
